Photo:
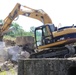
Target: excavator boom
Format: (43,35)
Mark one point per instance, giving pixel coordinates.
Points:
(36,14)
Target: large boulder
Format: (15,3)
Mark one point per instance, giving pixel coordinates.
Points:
(13,53)
(24,40)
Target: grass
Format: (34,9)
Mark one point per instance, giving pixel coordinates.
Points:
(9,38)
(10,72)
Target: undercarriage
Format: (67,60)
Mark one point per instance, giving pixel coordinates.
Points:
(56,52)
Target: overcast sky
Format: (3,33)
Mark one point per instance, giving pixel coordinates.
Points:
(60,11)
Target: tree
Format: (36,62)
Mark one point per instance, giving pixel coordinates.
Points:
(17,30)
(1,21)
(32,29)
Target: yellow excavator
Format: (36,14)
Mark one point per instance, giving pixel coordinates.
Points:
(49,40)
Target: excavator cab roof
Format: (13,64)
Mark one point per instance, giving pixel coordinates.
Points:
(50,26)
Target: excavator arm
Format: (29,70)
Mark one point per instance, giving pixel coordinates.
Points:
(32,13)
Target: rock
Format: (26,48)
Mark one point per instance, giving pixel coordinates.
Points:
(7,65)
(25,54)
(3,52)
(24,40)
(13,53)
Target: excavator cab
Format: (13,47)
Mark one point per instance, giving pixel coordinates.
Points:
(48,36)
(43,34)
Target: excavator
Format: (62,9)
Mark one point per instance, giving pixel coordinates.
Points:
(49,40)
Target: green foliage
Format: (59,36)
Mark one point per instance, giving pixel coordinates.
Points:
(18,30)
(9,37)
(1,21)
(32,29)
(11,71)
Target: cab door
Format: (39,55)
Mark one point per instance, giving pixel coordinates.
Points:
(43,35)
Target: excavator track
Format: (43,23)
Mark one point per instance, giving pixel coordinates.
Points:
(57,52)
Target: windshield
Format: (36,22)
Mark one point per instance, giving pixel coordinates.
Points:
(52,27)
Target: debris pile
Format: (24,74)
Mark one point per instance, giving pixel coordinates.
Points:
(8,56)
(10,52)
